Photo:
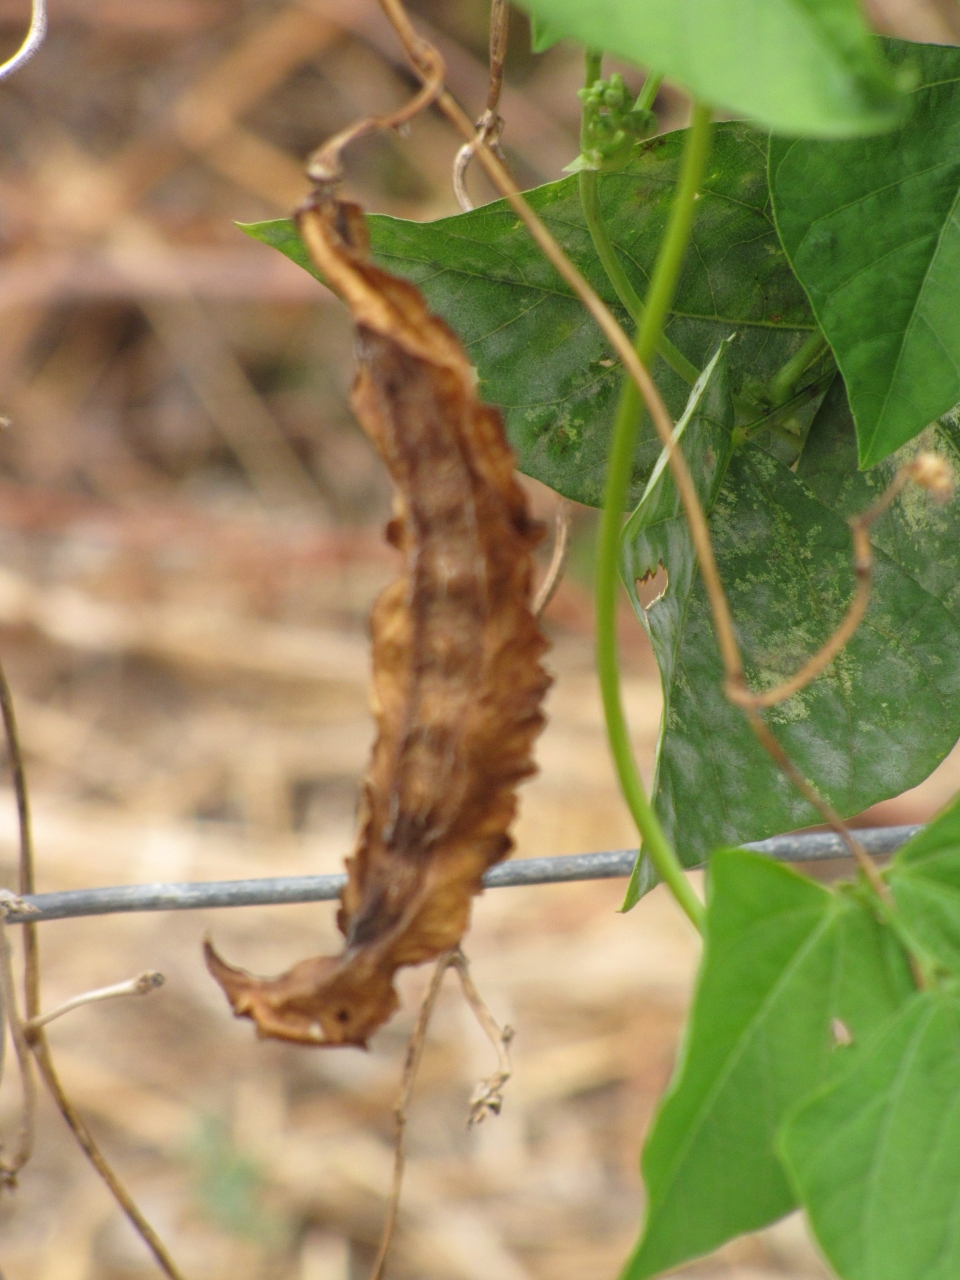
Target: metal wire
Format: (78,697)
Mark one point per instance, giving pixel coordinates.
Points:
(814,847)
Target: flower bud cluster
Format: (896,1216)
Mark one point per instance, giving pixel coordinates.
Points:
(612,125)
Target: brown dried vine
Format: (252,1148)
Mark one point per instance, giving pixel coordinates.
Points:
(35,1035)
(10,1165)
(457,680)
(487,1098)
(324,165)
(558,559)
(490,124)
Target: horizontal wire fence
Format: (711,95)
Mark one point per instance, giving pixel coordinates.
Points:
(810,847)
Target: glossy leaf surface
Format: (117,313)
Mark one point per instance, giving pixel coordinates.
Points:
(872,229)
(875,1157)
(878,720)
(784,959)
(806,67)
(539,355)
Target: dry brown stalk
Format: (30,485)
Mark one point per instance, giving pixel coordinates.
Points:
(499,24)
(411,1066)
(558,560)
(324,165)
(536,136)
(141,985)
(11,1166)
(26,878)
(490,124)
(826,810)
(487,1098)
(36,1038)
(78,1126)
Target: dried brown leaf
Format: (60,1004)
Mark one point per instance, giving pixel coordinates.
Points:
(457,680)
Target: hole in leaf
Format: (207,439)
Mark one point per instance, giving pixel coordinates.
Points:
(652,585)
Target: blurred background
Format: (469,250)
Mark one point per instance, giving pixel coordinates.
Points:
(189,547)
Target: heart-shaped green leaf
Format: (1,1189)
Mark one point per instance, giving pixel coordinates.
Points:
(872,229)
(875,1157)
(806,67)
(878,720)
(791,972)
(539,355)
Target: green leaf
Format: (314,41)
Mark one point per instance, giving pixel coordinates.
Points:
(872,229)
(878,720)
(539,355)
(807,67)
(921,536)
(925,880)
(784,959)
(542,34)
(875,1157)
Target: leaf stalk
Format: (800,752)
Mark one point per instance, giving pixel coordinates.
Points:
(772,421)
(785,381)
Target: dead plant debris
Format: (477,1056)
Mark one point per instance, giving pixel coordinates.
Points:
(457,679)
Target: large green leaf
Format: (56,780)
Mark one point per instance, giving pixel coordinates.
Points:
(925,879)
(806,67)
(784,960)
(872,229)
(921,536)
(875,1157)
(878,720)
(539,355)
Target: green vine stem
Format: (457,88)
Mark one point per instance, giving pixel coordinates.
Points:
(619,469)
(771,420)
(784,383)
(589,185)
(648,92)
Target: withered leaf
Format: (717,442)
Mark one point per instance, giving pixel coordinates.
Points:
(457,680)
